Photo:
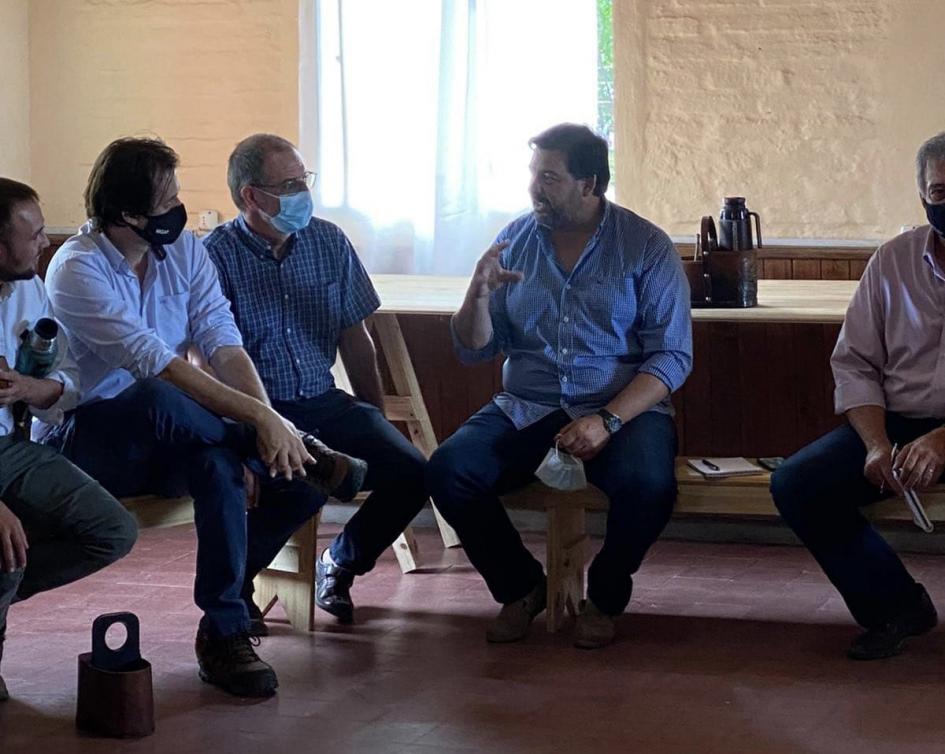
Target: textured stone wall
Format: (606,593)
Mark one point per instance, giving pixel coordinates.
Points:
(200,73)
(14,90)
(813,110)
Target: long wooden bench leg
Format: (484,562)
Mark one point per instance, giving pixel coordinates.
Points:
(567,543)
(290,578)
(447,533)
(406,385)
(405,548)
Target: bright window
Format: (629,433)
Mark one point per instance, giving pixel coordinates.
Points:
(417,116)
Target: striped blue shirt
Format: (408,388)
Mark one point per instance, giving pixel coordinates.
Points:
(574,340)
(291,311)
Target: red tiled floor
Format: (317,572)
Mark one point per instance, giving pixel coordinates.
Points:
(727,648)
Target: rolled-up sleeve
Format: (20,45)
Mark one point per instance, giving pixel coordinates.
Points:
(93,312)
(860,353)
(490,350)
(65,371)
(665,330)
(208,311)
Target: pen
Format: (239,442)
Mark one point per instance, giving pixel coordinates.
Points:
(710,465)
(892,457)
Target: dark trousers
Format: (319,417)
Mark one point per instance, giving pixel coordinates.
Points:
(153,438)
(73,525)
(488,456)
(819,492)
(395,472)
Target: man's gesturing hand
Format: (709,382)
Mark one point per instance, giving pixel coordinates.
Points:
(490,274)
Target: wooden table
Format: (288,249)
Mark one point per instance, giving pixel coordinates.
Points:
(780,301)
(823,301)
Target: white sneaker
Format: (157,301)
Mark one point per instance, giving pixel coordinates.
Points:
(513,620)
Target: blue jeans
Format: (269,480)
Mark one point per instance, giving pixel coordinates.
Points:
(819,492)
(488,456)
(153,438)
(395,472)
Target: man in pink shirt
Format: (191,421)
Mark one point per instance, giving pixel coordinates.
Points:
(890,385)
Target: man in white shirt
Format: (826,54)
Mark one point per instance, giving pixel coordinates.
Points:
(136,292)
(56,523)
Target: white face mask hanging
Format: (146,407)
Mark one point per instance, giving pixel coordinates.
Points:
(561,471)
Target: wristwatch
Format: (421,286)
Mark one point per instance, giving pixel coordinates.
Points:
(612,422)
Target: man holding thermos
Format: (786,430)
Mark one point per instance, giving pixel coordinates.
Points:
(57,524)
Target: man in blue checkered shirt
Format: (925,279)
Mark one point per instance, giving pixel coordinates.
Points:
(300,295)
(589,304)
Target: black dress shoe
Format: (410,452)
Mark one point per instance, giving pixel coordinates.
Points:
(332,590)
(257,622)
(888,639)
(333,474)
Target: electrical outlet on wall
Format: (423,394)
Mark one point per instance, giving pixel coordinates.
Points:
(208,219)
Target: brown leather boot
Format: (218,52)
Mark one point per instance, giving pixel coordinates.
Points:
(515,618)
(593,629)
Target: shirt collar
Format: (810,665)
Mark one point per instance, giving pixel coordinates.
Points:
(605,218)
(259,245)
(928,247)
(115,258)
(6,289)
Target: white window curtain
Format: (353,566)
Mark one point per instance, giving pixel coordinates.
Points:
(416,115)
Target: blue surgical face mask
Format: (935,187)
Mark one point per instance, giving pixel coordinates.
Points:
(295,211)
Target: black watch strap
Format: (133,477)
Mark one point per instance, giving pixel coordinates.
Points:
(612,422)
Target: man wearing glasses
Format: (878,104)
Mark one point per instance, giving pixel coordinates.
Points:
(300,296)
(136,291)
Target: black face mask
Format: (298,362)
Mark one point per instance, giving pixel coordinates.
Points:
(936,215)
(163,229)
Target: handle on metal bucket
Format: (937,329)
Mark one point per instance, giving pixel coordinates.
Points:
(106,658)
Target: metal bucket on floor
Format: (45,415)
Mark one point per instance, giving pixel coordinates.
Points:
(115,696)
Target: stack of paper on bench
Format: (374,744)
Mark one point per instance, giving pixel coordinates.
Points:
(722,467)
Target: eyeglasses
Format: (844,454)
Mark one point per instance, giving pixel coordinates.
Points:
(291,185)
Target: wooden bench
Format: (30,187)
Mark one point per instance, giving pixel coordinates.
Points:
(735,497)
(291,576)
